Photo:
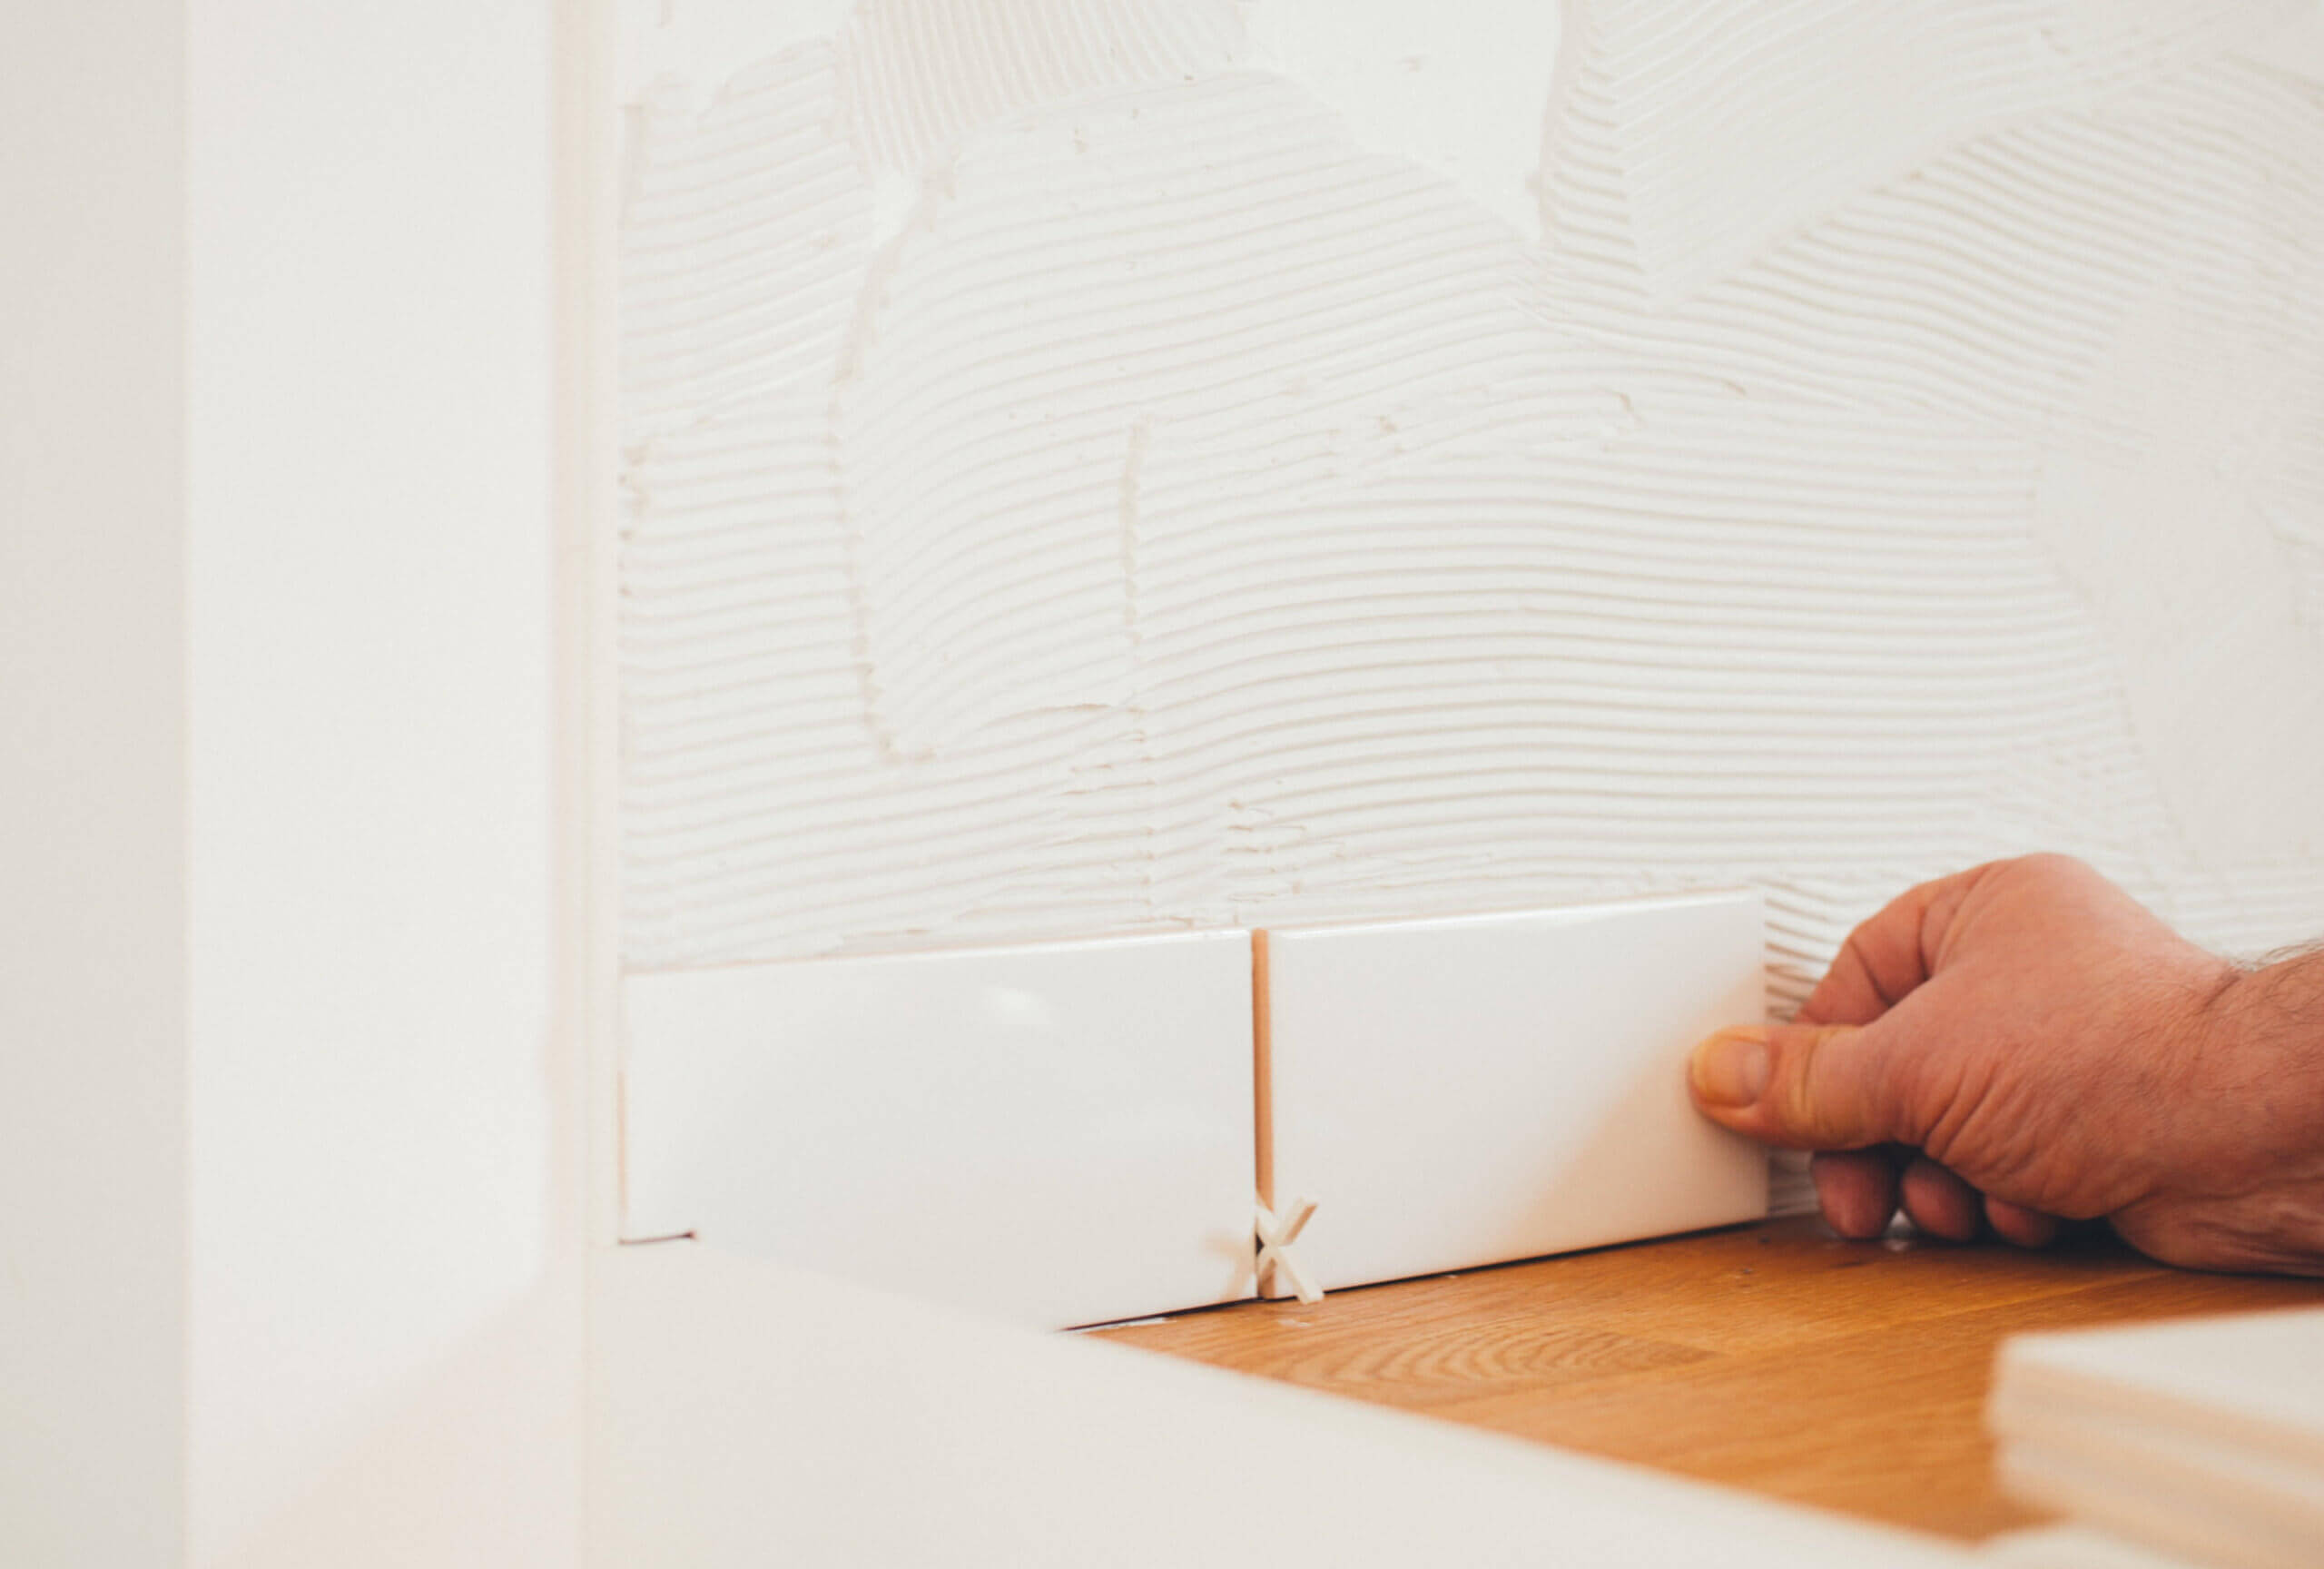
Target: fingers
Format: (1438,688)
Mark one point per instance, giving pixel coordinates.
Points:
(1849,993)
(1805,1086)
(1939,1202)
(2015,1223)
(1842,1078)
(1857,1190)
(1886,957)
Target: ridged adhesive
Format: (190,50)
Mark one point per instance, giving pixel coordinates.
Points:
(1901,447)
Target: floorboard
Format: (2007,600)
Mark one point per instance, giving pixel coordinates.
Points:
(1773,1358)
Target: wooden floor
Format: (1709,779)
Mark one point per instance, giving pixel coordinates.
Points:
(1773,1358)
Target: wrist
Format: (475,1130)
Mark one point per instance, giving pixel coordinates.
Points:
(2245,1168)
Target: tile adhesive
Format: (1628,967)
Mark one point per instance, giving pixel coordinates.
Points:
(1132,465)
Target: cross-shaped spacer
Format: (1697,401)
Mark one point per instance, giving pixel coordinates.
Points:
(1277,1234)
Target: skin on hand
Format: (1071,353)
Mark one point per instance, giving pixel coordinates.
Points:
(2022,1043)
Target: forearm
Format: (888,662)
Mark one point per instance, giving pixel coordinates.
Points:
(2257,1090)
(2266,1030)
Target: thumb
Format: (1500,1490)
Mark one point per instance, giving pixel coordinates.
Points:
(1804,1086)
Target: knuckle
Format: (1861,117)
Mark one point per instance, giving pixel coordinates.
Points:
(2055,864)
(1818,1101)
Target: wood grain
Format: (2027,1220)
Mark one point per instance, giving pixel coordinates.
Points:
(1773,1358)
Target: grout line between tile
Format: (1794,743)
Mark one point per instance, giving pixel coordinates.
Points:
(1262,1069)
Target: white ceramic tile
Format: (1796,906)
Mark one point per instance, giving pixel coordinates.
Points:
(1464,1091)
(1056,1134)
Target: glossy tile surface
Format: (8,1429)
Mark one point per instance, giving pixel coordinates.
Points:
(1059,1134)
(1465,1092)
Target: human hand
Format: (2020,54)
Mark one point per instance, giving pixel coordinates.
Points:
(2022,1042)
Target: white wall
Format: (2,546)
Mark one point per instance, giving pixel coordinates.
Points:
(92,829)
(292,1140)
(386,1306)
(1105,465)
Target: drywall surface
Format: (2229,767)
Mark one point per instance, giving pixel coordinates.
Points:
(387,1312)
(93,832)
(1102,466)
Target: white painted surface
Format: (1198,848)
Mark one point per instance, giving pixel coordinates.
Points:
(2203,1437)
(293,1276)
(2255,1378)
(2075,1548)
(2207,1509)
(1167,489)
(1058,1134)
(749,1416)
(1467,1091)
(93,829)
(387,1311)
